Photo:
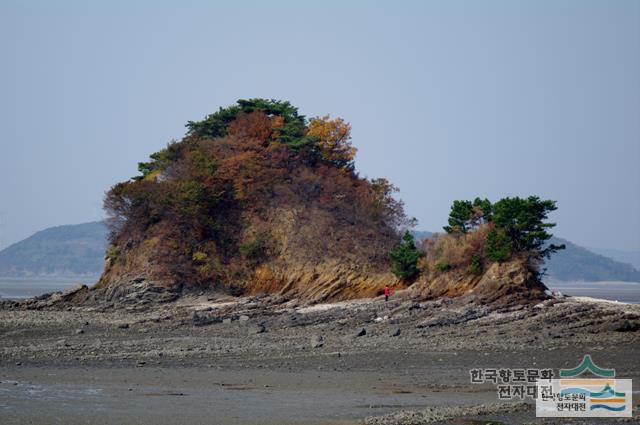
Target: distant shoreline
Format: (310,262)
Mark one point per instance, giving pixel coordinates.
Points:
(27,287)
(51,277)
(620,291)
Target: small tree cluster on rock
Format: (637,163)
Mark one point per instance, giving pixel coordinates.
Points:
(481,232)
(518,225)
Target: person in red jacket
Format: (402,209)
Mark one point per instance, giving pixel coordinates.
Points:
(386,293)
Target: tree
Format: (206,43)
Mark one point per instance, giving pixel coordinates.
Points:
(333,140)
(498,246)
(467,215)
(482,212)
(459,217)
(159,161)
(475,266)
(404,258)
(524,221)
(290,132)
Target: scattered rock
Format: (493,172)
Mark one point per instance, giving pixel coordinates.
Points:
(362,332)
(203,319)
(258,329)
(550,334)
(395,332)
(444,414)
(243,318)
(317,341)
(78,331)
(226,321)
(625,326)
(123,326)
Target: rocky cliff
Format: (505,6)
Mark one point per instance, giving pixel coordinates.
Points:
(255,199)
(503,283)
(258,200)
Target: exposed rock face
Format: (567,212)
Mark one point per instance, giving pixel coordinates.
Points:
(132,294)
(501,285)
(305,262)
(509,282)
(330,281)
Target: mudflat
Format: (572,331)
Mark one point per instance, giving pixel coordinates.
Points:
(221,360)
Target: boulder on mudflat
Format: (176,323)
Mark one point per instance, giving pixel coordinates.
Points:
(316,341)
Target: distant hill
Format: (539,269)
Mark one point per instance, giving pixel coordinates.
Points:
(630,257)
(421,234)
(576,263)
(72,250)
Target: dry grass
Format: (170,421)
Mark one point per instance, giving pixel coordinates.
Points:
(445,252)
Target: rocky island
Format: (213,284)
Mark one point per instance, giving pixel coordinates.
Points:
(243,284)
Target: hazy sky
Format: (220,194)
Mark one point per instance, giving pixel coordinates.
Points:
(448,99)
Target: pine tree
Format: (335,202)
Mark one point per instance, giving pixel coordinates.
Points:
(523,220)
(499,245)
(404,258)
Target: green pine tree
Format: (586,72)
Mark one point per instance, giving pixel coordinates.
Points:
(404,258)
(499,245)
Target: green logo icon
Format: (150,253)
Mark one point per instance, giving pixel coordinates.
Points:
(587,364)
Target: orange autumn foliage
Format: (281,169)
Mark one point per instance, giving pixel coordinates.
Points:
(333,138)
